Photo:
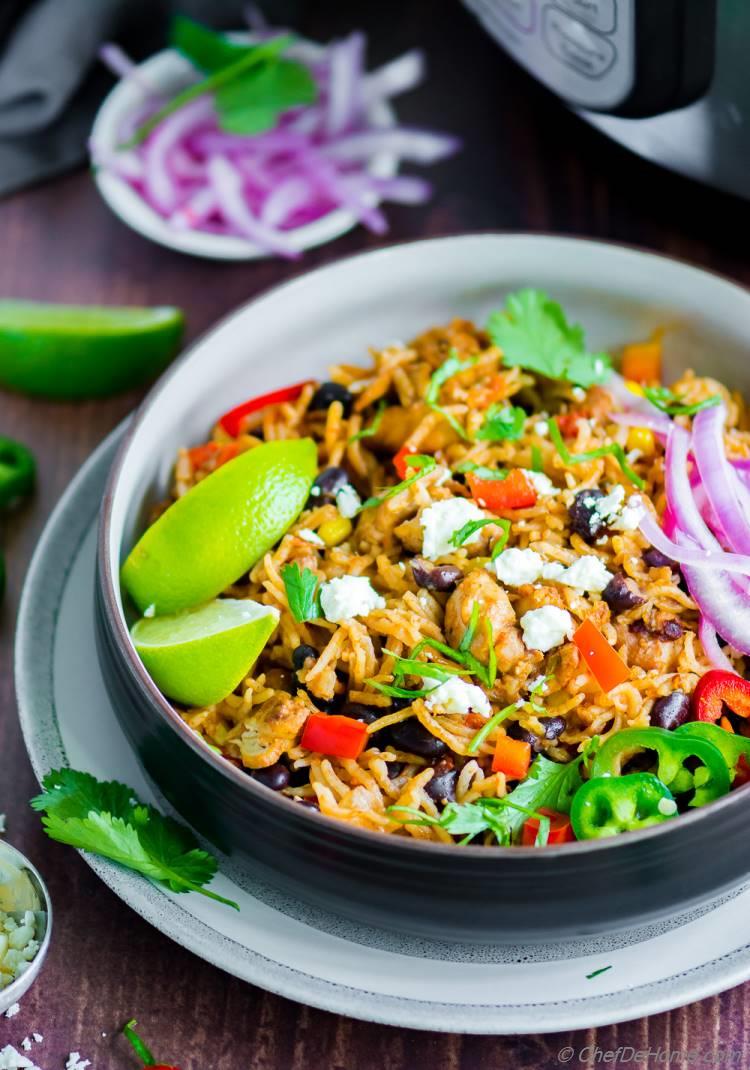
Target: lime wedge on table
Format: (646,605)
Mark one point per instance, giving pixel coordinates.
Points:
(69,351)
(198,657)
(221,527)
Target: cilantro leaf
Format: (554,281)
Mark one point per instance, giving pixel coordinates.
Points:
(502,422)
(253,104)
(421,462)
(502,542)
(459,537)
(481,471)
(534,334)
(367,432)
(105,819)
(207,50)
(302,594)
(665,400)
(613,449)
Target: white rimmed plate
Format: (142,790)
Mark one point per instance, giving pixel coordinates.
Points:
(306,954)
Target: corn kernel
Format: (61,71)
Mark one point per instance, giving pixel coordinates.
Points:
(635,388)
(332,532)
(640,438)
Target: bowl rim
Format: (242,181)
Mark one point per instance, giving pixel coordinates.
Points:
(131,209)
(25,980)
(108,585)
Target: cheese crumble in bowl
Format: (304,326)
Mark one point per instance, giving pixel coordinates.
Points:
(495,658)
(25,925)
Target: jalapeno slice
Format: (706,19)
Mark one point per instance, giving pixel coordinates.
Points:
(705,775)
(731,745)
(608,806)
(17,471)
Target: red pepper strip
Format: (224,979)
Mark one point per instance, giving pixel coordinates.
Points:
(341,737)
(560,829)
(218,452)
(140,1048)
(715,689)
(232,421)
(399,460)
(568,423)
(603,661)
(514,492)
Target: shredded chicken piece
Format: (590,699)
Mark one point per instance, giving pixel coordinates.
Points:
(479,587)
(273,730)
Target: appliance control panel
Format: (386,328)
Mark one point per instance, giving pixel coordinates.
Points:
(584,50)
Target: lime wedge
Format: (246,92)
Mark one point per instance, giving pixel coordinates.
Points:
(198,657)
(69,351)
(221,527)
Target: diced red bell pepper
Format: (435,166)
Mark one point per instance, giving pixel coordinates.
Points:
(603,661)
(516,491)
(399,460)
(568,423)
(232,421)
(339,737)
(214,453)
(512,757)
(560,829)
(717,688)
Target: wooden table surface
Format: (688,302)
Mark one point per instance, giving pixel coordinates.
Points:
(527,165)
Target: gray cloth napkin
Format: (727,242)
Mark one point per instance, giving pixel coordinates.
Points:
(51,83)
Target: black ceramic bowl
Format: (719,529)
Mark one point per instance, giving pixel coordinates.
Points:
(333,314)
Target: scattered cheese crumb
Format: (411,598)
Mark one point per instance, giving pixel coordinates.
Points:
(13,1010)
(546,628)
(579,394)
(631,515)
(75,1062)
(587,573)
(541,427)
(26,1043)
(441,520)
(456,696)
(515,567)
(609,506)
(307,535)
(553,570)
(541,483)
(348,501)
(349,596)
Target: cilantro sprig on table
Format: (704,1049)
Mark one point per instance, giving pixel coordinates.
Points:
(534,334)
(251,84)
(106,819)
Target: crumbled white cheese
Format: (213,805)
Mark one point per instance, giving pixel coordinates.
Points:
(541,427)
(609,506)
(441,520)
(631,515)
(348,501)
(13,1010)
(75,1062)
(667,807)
(553,570)
(579,394)
(307,535)
(587,573)
(456,696)
(26,1043)
(515,567)
(349,596)
(537,685)
(150,611)
(633,455)
(541,483)
(10,1059)
(546,628)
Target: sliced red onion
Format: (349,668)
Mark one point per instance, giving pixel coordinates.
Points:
(227,184)
(282,202)
(159,182)
(654,421)
(401,74)
(621,392)
(196,210)
(724,605)
(710,643)
(345,85)
(729,500)
(680,492)
(692,555)
(420,146)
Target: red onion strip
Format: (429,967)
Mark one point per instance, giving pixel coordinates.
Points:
(727,497)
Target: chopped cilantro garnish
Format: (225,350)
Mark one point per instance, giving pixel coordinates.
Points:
(533,333)
(662,398)
(104,818)
(368,432)
(423,465)
(497,718)
(412,667)
(399,692)
(471,630)
(481,471)
(450,367)
(459,537)
(537,461)
(301,592)
(613,449)
(502,422)
(502,542)
(491,656)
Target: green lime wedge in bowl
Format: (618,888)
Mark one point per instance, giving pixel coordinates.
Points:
(217,531)
(74,351)
(197,657)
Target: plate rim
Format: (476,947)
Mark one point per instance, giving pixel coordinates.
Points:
(170,918)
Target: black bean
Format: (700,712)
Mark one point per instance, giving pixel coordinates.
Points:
(671,630)
(656,559)
(442,788)
(435,577)
(414,738)
(394,769)
(671,711)
(584,519)
(327,393)
(327,483)
(360,712)
(553,726)
(302,654)
(515,731)
(327,705)
(298,777)
(621,594)
(274,777)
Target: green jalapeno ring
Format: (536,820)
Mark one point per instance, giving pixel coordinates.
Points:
(609,806)
(708,782)
(731,745)
(17,471)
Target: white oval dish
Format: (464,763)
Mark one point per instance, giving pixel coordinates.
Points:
(168,71)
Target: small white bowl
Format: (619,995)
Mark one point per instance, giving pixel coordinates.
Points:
(168,72)
(37,890)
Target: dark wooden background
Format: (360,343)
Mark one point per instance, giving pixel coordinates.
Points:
(527,165)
